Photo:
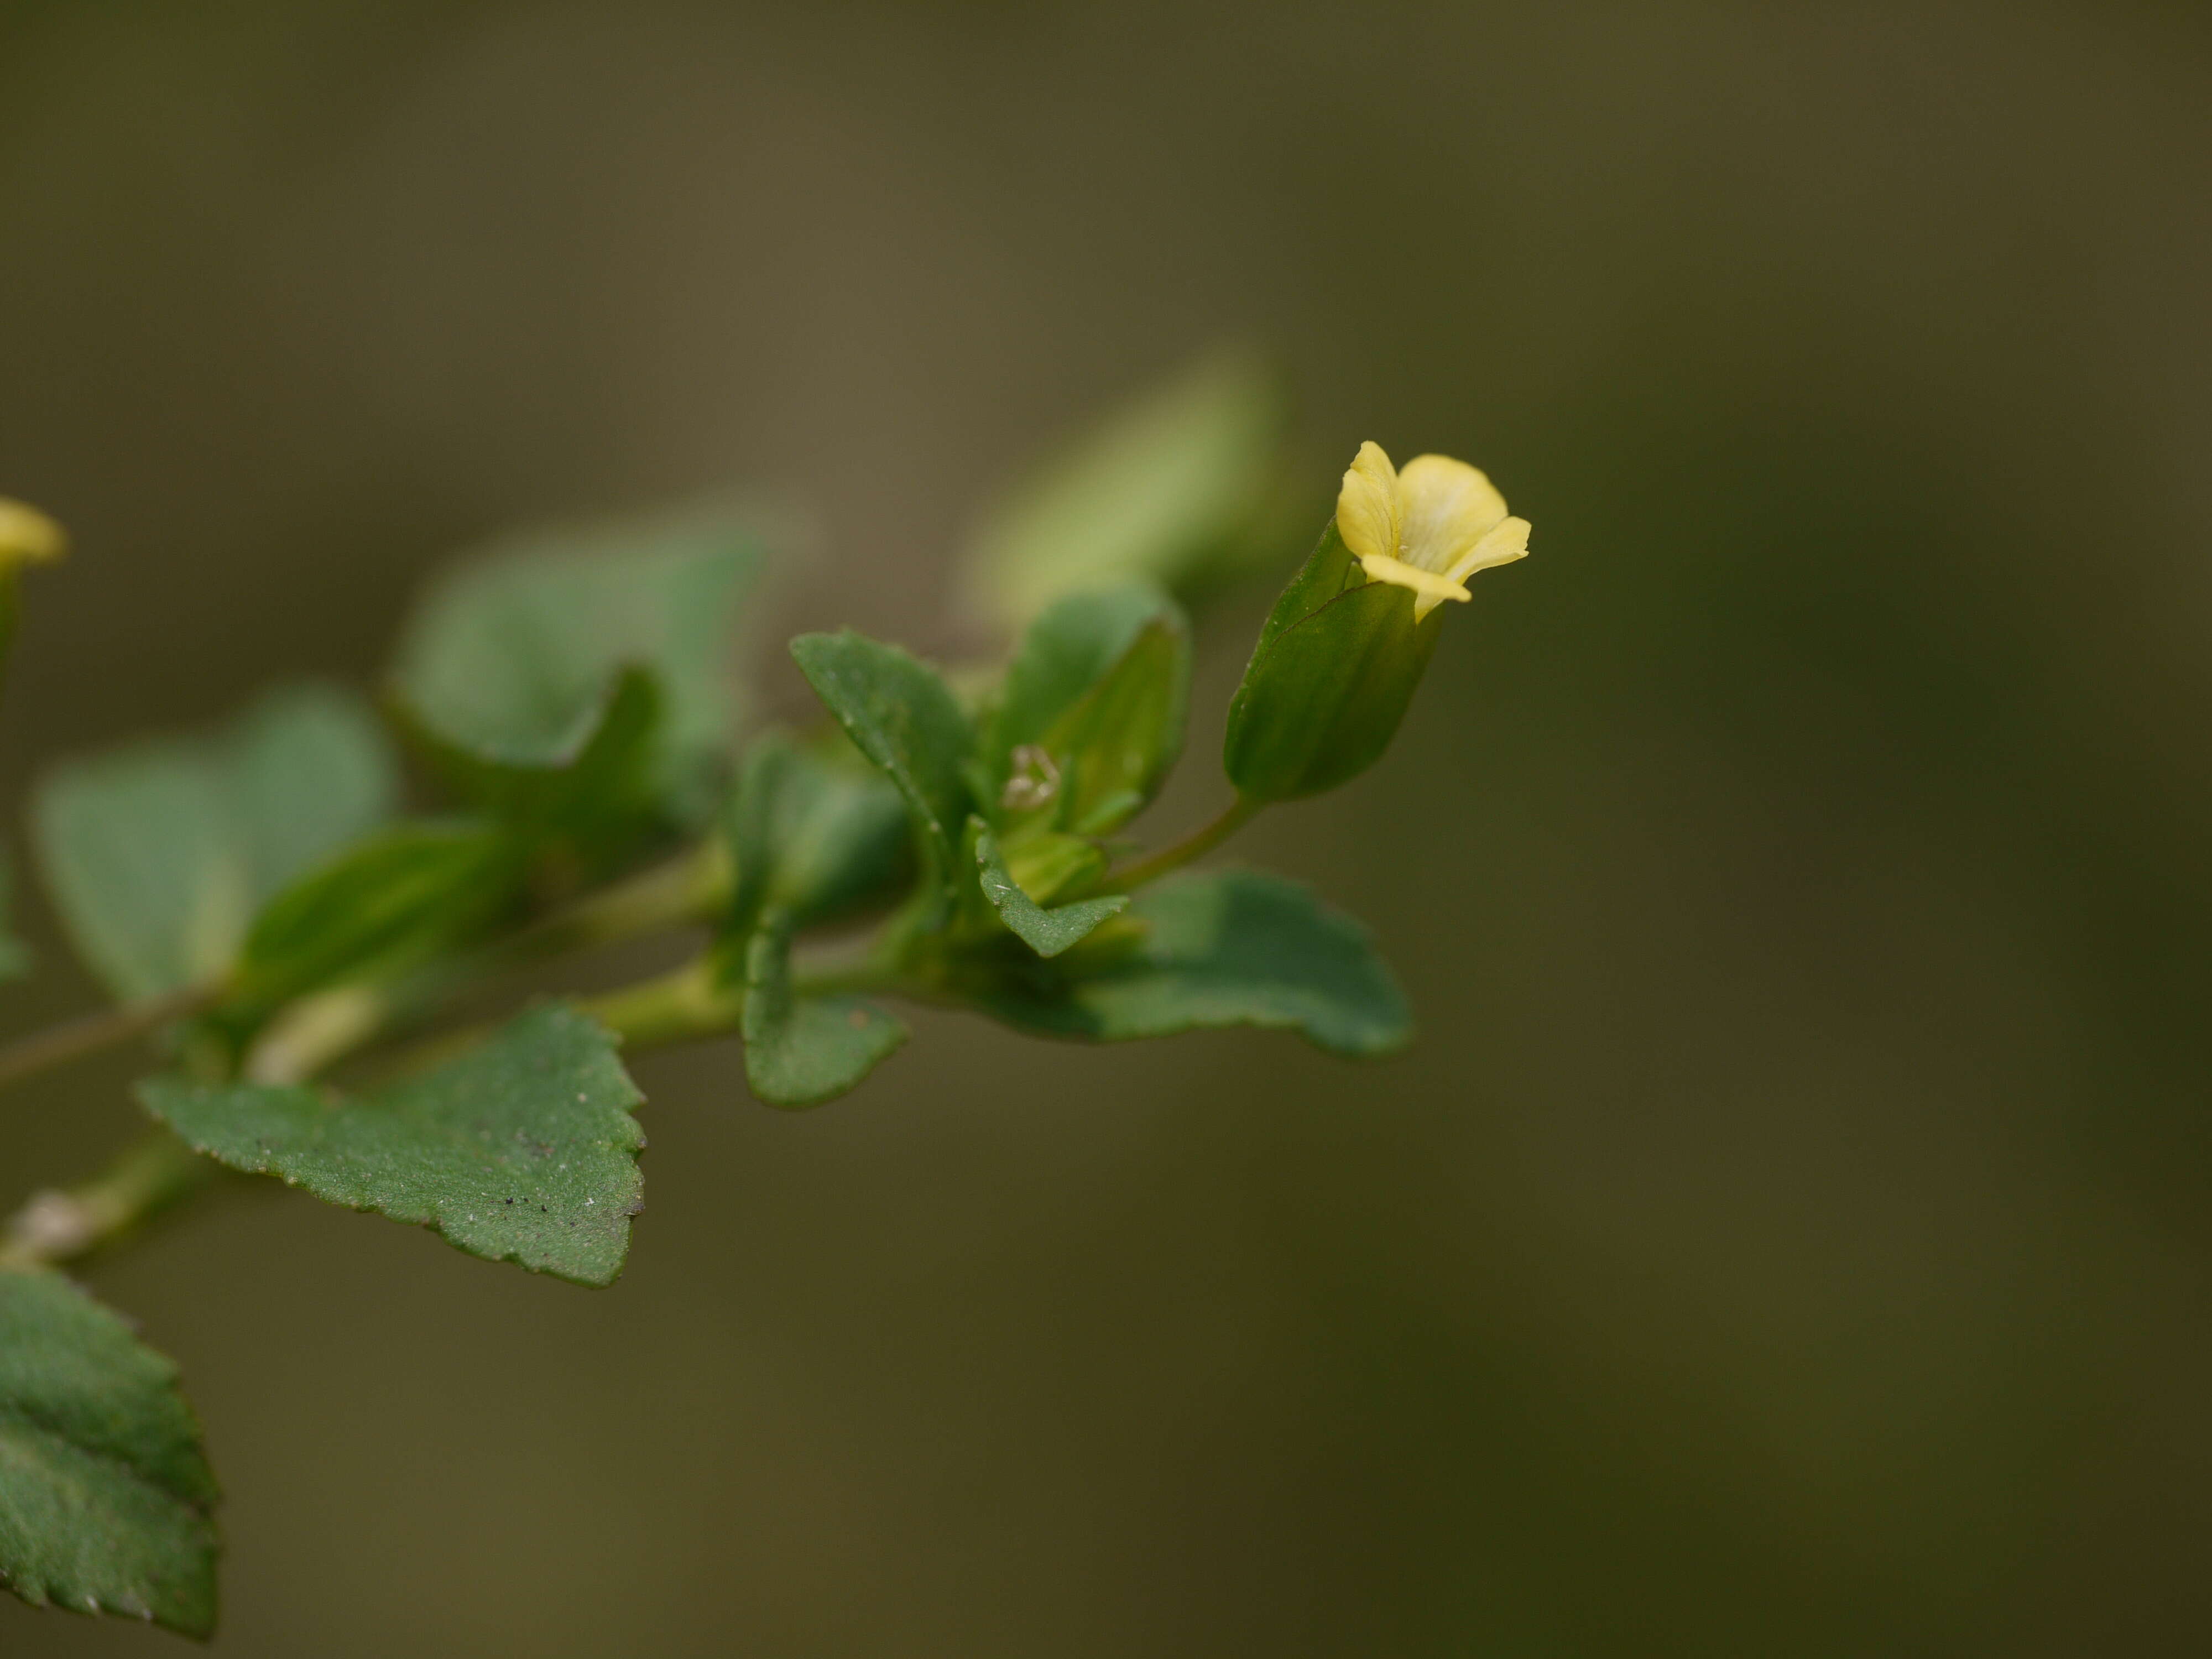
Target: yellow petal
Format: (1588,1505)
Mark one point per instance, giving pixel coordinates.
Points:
(1430,590)
(27,536)
(1509,541)
(1367,506)
(1447,508)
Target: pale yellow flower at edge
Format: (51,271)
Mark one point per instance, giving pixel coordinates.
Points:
(1428,528)
(27,536)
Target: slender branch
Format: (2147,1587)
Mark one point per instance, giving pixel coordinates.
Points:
(1197,844)
(690,1003)
(105,1028)
(154,1172)
(693,887)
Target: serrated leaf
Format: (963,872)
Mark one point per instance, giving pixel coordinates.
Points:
(813,830)
(105,1497)
(508,655)
(521,1150)
(801,1051)
(1048,932)
(901,715)
(157,856)
(381,906)
(1234,948)
(1162,492)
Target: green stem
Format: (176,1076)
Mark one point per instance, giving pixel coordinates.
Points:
(680,1006)
(1197,844)
(105,1028)
(152,1173)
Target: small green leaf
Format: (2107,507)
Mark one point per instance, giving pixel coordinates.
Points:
(1046,864)
(1236,948)
(813,829)
(1336,667)
(106,1499)
(801,1051)
(1048,932)
(1115,748)
(1068,649)
(521,1150)
(510,654)
(380,906)
(1167,491)
(904,719)
(158,856)
(598,789)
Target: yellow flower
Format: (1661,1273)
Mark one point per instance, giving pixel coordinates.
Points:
(27,536)
(1428,528)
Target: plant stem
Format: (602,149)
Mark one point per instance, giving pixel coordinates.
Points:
(103,1028)
(1197,844)
(676,1007)
(154,1172)
(690,888)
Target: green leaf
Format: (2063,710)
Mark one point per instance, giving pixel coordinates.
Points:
(1048,932)
(521,1150)
(1068,650)
(801,1051)
(905,720)
(1115,748)
(1166,491)
(106,1499)
(598,789)
(1336,667)
(157,856)
(383,905)
(1235,948)
(510,654)
(813,829)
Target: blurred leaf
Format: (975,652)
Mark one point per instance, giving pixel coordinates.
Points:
(512,658)
(105,1497)
(599,790)
(813,830)
(905,720)
(521,1150)
(1236,948)
(382,905)
(1163,492)
(1336,667)
(801,1051)
(157,856)
(1046,932)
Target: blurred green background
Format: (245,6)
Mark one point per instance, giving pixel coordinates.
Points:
(1793,1233)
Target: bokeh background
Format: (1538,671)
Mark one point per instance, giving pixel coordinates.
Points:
(1793,1233)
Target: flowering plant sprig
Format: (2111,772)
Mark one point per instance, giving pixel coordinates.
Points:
(265,903)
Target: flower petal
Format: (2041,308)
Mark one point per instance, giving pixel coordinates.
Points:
(1448,507)
(27,536)
(1509,541)
(1367,506)
(1430,590)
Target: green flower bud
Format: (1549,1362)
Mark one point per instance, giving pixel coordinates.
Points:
(1345,647)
